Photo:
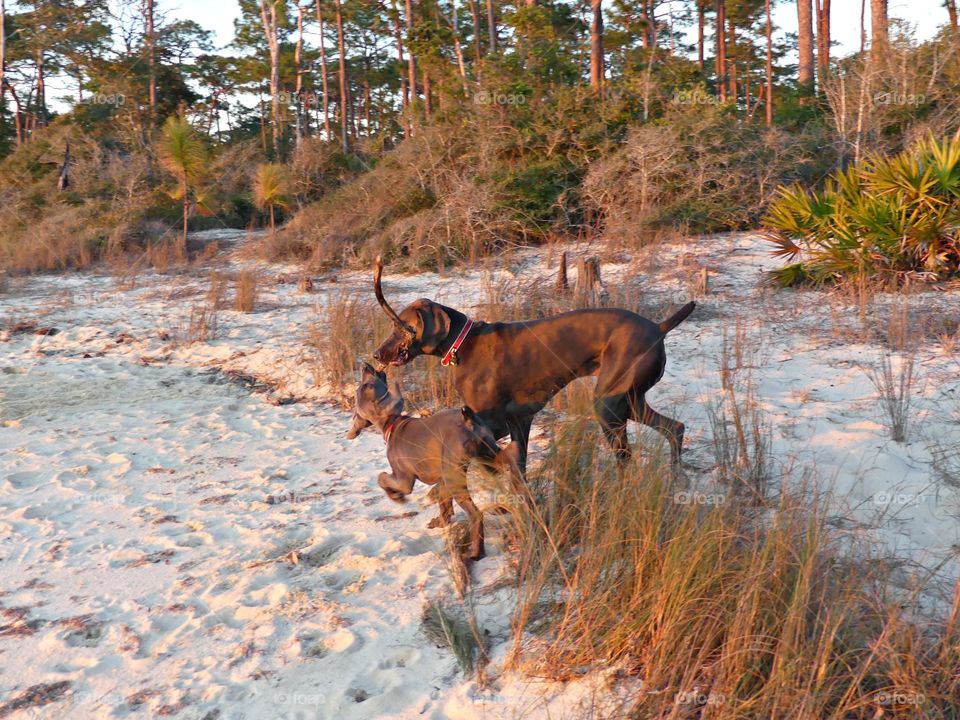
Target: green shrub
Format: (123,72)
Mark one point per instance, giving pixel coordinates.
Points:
(886,217)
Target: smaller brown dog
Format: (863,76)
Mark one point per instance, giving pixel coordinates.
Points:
(436,450)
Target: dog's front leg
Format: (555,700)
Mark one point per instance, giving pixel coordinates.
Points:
(477,549)
(396,488)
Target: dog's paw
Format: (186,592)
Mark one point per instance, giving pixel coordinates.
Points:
(395,495)
(438,522)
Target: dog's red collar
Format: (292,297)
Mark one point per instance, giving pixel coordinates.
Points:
(451,357)
(387,432)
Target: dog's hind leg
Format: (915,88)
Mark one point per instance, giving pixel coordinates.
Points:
(671,429)
(613,411)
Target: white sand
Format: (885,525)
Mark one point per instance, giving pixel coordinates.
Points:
(151,510)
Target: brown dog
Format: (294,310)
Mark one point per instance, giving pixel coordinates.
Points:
(508,371)
(435,450)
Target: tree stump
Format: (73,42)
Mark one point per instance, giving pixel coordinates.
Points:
(563,285)
(589,289)
(305,284)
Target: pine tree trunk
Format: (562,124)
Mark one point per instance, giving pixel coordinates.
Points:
(269,19)
(298,66)
(263,120)
(427,99)
(151,62)
(769,65)
(952,12)
(366,107)
(701,27)
(3,51)
(823,40)
(732,91)
(411,66)
(323,76)
(344,102)
(41,116)
(596,47)
(475,15)
(457,48)
(879,29)
(491,27)
(720,61)
(404,92)
(805,46)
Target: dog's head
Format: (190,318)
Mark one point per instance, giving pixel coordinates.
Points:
(484,439)
(417,330)
(377,401)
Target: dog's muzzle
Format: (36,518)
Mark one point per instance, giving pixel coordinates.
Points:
(402,357)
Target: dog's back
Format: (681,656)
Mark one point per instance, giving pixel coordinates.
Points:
(439,446)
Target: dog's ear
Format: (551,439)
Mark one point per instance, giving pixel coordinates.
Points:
(395,397)
(359,423)
(367,372)
(434,325)
(468,416)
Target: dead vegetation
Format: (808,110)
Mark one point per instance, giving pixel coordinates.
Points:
(245,291)
(720,609)
(894,383)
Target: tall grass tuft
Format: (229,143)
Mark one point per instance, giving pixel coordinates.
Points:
(445,629)
(721,609)
(245,296)
(894,387)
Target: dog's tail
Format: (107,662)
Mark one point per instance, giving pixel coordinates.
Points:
(678,317)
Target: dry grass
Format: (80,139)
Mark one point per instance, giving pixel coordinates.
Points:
(245,291)
(741,438)
(344,335)
(201,325)
(347,328)
(894,387)
(720,609)
(217,292)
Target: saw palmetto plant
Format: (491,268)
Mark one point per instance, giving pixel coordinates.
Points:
(887,217)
